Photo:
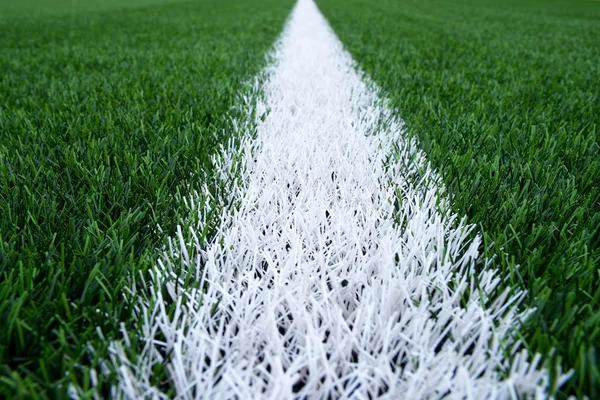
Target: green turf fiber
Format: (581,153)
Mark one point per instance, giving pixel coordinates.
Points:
(504,99)
(28,9)
(108,111)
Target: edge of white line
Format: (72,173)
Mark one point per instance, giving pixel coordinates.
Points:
(340,271)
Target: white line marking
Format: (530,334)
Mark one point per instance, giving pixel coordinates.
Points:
(338,275)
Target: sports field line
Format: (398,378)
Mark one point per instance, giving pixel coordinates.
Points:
(339,271)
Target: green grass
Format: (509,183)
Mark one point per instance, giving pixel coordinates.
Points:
(504,98)
(109,111)
(28,9)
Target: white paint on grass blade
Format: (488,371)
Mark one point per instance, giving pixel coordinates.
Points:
(338,274)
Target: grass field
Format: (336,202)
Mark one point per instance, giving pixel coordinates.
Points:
(109,113)
(504,97)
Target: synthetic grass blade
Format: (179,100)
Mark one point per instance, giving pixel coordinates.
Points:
(338,270)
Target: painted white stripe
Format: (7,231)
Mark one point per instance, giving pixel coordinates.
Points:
(339,274)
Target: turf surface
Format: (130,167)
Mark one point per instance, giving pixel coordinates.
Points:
(109,111)
(504,98)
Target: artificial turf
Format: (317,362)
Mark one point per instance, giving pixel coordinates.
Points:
(503,96)
(109,114)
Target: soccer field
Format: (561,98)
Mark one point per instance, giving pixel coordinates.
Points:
(191,207)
